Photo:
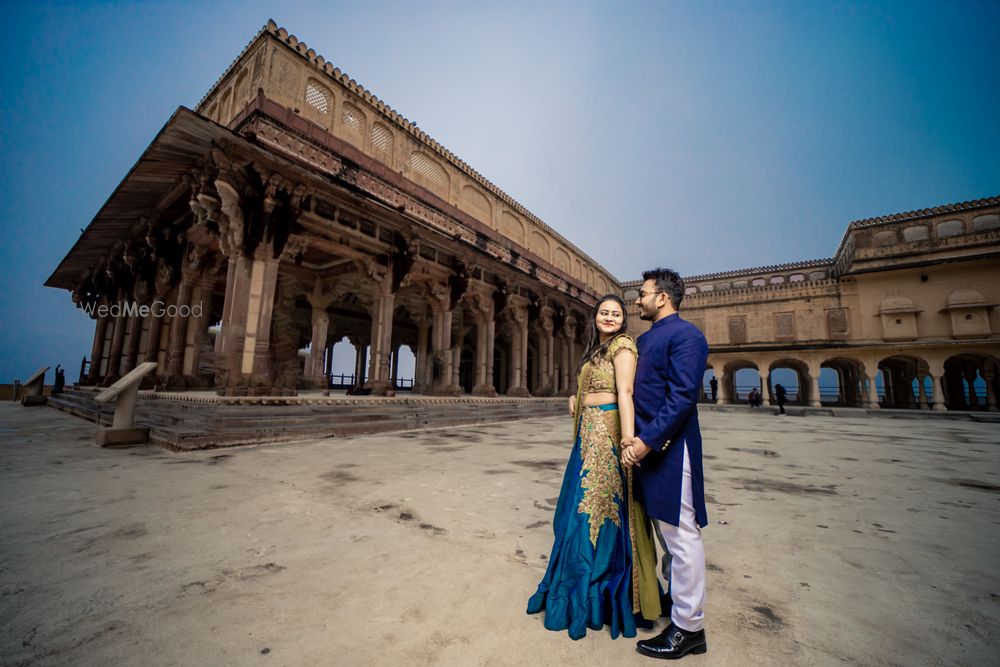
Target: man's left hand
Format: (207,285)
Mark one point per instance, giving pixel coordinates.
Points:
(639,449)
(634,450)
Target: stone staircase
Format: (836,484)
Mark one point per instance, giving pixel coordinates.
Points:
(181,423)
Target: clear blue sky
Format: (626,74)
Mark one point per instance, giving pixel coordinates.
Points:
(702,135)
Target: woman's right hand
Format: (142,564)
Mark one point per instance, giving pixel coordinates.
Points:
(572,405)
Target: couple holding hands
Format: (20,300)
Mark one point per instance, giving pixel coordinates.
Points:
(634,476)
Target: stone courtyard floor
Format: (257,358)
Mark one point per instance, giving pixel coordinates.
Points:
(831,541)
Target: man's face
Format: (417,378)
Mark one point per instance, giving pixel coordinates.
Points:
(648,301)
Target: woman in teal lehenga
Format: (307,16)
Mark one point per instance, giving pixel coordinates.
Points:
(601,570)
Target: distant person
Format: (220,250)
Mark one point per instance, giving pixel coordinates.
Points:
(781,396)
(714,384)
(60,382)
(753,398)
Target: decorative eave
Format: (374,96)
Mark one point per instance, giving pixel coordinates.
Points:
(178,147)
(399,121)
(968,306)
(924,213)
(896,310)
(773,268)
(745,273)
(919,214)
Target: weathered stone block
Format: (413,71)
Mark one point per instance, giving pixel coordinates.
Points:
(108,436)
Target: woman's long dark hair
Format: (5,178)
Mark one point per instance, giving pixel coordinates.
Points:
(594,345)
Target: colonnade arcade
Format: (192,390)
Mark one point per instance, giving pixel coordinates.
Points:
(276,258)
(932,379)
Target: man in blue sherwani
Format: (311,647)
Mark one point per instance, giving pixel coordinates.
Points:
(666,455)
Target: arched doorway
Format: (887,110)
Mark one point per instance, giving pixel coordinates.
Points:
(970,382)
(793,375)
(738,378)
(840,382)
(402,367)
(900,375)
(709,386)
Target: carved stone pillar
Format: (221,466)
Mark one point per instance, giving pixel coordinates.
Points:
(491,332)
(256,358)
(485,332)
(115,354)
(546,350)
(133,334)
(234,311)
(814,395)
(381,311)
(197,328)
(518,314)
(314,370)
(442,366)
(178,329)
(221,339)
(318,341)
(360,354)
(154,332)
(551,342)
(523,373)
(456,365)
(725,380)
(239,271)
(936,371)
(97,350)
(570,360)
(564,365)
(871,372)
(421,367)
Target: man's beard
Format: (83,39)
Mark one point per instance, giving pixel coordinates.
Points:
(645,315)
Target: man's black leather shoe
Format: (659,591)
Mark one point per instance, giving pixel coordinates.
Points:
(673,643)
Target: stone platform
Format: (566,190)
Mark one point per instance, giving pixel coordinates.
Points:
(203,420)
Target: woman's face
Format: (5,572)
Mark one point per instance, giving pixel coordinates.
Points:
(609,317)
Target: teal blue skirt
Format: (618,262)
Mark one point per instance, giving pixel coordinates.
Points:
(588,579)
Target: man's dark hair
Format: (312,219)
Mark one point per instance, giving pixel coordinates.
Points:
(669,282)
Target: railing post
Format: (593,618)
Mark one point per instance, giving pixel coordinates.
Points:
(125,393)
(34,387)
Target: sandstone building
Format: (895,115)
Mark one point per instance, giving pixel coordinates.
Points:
(911,296)
(297,208)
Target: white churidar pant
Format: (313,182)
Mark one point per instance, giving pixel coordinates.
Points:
(683,564)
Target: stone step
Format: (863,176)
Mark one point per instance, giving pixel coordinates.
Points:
(186,425)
